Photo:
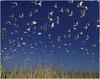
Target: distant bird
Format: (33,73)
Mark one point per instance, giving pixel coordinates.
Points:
(33,23)
(87,37)
(77,37)
(14,4)
(75,24)
(52,25)
(51,13)
(98,26)
(61,10)
(8,22)
(21,16)
(55,6)
(39,3)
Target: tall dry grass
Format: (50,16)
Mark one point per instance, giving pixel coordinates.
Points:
(42,72)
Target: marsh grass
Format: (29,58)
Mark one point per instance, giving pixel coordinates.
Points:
(42,72)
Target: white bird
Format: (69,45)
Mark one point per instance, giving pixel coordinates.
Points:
(81,33)
(59,47)
(64,36)
(55,6)
(98,26)
(24,43)
(66,50)
(21,38)
(70,13)
(74,28)
(14,4)
(12,33)
(69,31)
(75,24)
(36,11)
(33,23)
(39,33)
(49,35)
(21,16)
(18,44)
(30,14)
(82,48)
(25,32)
(12,16)
(86,26)
(81,3)
(52,25)
(38,3)
(87,37)
(8,22)
(51,13)
(58,19)
(83,12)
(29,29)
(67,10)
(61,10)
(65,44)
(58,39)
(77,37)
(50,18)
